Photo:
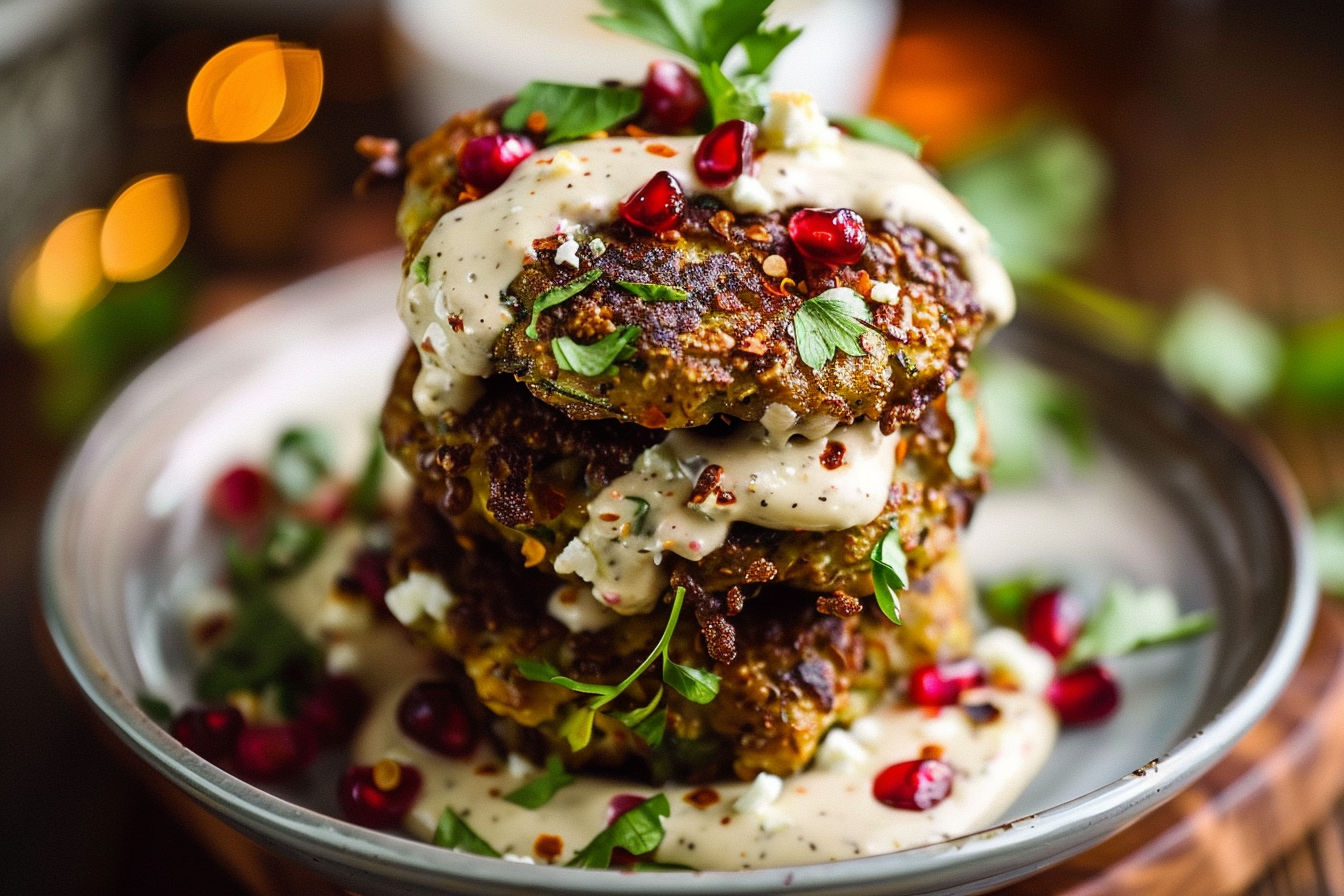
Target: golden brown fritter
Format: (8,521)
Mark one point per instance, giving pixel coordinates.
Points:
(798,671)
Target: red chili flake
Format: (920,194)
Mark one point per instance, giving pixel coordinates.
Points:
(548,847)
(608,517)
(725,499)
(931,751)
(707,484)
(660,149)
(702,797)
(455,323)
(833,455)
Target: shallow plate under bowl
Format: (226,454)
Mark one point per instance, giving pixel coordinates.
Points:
(1173,497)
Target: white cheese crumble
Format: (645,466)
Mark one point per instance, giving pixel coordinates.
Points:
(866,731)
(343,658)
(341,616)
(522,860)
(574,606)
(420,594)
(764,790)
(597,247)
(568,253)
(577,559)
(840,752)
(565,163)
(519,767)
(749,195)
(885,293)
(793,121)
(1008,657)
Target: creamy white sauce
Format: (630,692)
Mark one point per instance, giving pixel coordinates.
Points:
(477,249)
(768,479)
(823,814)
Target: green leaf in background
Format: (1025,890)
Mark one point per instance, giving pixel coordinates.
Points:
(156,708)
(1214,347)
(1005,601)
(1313,366)
(880,131)
(961,458)
(538,792)
(264,648)
(638,830)
(302,458)
(454,833)
(1040,425)
(572,110)
(366,498)
(1039,188)
(1327,535)
(1131,618)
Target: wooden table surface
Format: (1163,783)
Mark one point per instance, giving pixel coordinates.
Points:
(1228,135)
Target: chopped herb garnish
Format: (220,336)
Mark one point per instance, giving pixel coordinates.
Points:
(1131,618)
(264,649)
(598,358)
(571,110)
(638,830)
(420,269)
(455,833)
(889,576)
(641,514)
(302,458)
(884,133)
(705,32)
(1005,601)
(830,322)
(538,792)
(654,292)
(966,435)
(156,708)
(552,297)
(700,686)
(571,392)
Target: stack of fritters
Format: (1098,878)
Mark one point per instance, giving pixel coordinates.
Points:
(786,617)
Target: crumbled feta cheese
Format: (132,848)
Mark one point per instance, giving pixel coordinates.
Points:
(772,819)
(840,751)
(748,194)
(885,293)
(575,607)
(793,121)
(596,246)
(1007,656)
(519,767)
(568,253)
(341,616)
(342,658)
(764,790)
(522,860)
(437,339)
(420,594)
(564,164)
(577,559)
(866,731)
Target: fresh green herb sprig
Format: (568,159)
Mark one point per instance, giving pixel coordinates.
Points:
(598,358)
(452,832)
(654,292)
(638,830)
(556,295)
(538,792)
(881,132)
(889,575)
(571,110)
(834,321)
(696,685)
(420,269)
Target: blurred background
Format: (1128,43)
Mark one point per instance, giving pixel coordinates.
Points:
(1168,174)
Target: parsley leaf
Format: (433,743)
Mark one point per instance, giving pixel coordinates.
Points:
(889,576)
(554,296)
(302,458)
(538,792)
(639,830)
(595,359)
(421,269)
(454,833)
(540,670)
(696,685)
(572,111)
(1131,618)
(966,433)
(883,133)
(654,292)
(830,322)
(705,32)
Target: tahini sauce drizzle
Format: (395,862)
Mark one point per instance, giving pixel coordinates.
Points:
(477,249)
(824,814)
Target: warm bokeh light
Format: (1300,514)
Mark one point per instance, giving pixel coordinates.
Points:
(257,90)
(145,228)
(63,279)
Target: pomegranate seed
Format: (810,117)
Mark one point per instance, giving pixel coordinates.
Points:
(1087,694)
(622,803)
(371,577)
(333,710)
(725,153)
(432,714)
(239,495)
(486,162)
(378,796)
(1053,621)
(829,235)
(941,684)
(916,784)
(656,206)
(673,96)
(274,751)
(209,733)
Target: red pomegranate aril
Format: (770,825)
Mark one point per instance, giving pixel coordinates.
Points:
(366,799)
(657,206)
(831,236)
(1053,621)
(673,97)
(239,495)
(209,732)
(941,684)
(725,153)
(1086,694)
(265,752)
(370,574)
(486,162)
(622,803)
(432,714)
(334,709)
(916,784)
